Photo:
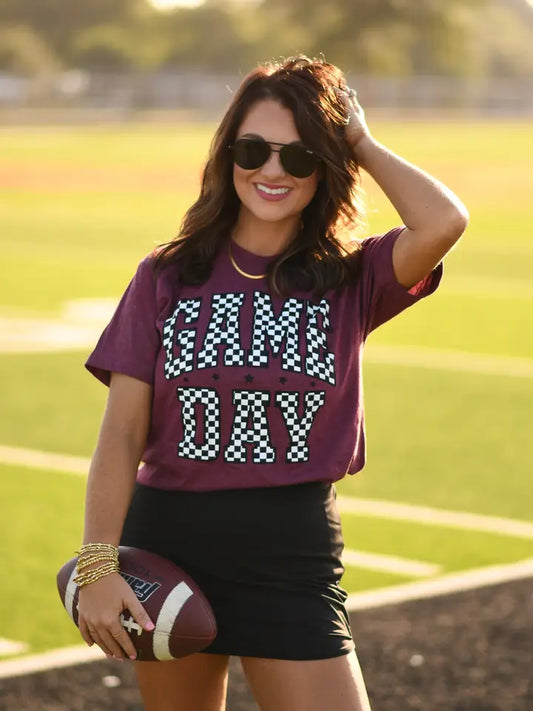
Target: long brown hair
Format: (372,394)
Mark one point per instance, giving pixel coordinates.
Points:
(318,259)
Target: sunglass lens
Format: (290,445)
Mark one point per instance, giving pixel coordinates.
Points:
(298,161)
(249,154)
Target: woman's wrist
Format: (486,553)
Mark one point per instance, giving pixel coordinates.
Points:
(363,149)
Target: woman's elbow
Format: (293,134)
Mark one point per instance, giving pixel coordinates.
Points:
(455,223)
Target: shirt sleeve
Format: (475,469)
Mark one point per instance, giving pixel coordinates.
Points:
(130,342)
(383,295)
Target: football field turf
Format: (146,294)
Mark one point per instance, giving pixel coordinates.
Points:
(448,385)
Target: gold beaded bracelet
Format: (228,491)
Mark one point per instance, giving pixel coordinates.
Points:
(97,551)
(87,552)
(85,561)
(91,553)
(92,576)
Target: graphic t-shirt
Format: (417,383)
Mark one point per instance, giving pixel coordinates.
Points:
(251,389)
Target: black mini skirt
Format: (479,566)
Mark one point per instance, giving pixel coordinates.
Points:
(267,559)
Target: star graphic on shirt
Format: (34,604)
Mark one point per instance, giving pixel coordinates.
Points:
(249,378)
(283,380)
(216,376)
(313,383)
(185,380)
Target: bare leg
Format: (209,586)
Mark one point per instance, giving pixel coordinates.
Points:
(194,683)
(316,685)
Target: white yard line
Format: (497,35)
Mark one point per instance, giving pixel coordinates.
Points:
(444,585)
(82,321)
(9,647)
(54,659)
(455,361)
(77,327)
(45,335)
(436,517)
(37,459)
(390,564)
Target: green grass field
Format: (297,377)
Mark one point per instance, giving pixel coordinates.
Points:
(81,206)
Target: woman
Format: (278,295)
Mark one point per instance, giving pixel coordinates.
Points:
(234,371)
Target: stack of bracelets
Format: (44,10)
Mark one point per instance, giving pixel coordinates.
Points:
(91,553)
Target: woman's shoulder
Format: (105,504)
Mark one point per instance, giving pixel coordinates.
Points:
(374,247)
(365,243)
(153,280)
(159,268)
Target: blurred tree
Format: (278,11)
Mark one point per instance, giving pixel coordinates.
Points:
(59,22)
(103,48)
(24,53)
(440,34)
(215,36)
(383,36)
(201,37)
(501,40)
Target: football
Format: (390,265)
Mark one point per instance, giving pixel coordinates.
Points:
(183,619)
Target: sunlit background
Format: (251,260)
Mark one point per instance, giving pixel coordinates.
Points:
(107,108)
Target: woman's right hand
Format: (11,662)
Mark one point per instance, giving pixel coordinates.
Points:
(100,605)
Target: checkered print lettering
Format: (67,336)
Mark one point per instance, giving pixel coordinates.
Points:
(299,427)
(282,329)
(226,311)
(209,402)
(316,342)
(183,339)
(250,427)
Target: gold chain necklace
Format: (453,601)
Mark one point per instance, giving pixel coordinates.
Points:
(241,271)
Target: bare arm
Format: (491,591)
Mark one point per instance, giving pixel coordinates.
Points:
(114,464)
(109,489)
(435,218)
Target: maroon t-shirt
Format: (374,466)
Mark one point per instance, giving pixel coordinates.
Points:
(251,389)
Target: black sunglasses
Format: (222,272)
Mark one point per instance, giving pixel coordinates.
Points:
(252,153)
